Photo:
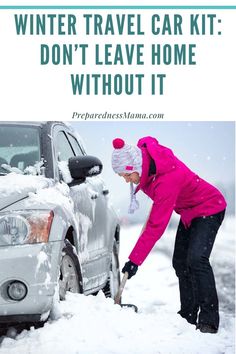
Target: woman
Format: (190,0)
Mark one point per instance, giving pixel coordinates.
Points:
(174,187)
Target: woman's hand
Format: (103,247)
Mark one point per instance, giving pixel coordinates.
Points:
(131,268)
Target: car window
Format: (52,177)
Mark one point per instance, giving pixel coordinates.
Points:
(75,145)
(19,147)
(63,148)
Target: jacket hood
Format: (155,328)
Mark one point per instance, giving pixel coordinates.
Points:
(163,157)
(15,187)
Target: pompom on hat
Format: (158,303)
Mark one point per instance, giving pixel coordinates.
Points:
(127,159)
(118,143)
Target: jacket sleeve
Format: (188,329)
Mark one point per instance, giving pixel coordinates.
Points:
(162,208)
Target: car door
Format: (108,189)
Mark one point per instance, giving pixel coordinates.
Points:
(100,247)
(85,197)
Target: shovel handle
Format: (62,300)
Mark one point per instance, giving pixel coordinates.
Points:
(121,288)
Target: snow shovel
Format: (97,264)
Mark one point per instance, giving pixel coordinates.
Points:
(120,291)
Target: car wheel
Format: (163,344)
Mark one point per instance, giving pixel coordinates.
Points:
(113,282)
(70,272)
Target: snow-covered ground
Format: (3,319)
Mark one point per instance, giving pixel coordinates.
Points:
(94,325)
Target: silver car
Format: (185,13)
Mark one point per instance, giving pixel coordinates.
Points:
(58,231)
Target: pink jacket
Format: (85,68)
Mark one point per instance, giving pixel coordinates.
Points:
(174,187)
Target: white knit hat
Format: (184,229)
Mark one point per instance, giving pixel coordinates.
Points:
(127,159)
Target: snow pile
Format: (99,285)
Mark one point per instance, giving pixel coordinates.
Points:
(13,182)
(94,325)
(58,194)
(39,189)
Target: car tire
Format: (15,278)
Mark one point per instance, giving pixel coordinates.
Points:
(70,273)
(113,282)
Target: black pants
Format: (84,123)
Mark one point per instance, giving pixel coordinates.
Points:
(191,262)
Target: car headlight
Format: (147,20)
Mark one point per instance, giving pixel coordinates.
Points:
(22,227)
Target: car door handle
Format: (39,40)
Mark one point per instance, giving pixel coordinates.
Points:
(94,196)
(105,192)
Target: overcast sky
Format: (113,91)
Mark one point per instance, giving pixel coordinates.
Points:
(208,148)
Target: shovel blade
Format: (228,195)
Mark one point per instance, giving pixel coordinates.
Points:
(134,307)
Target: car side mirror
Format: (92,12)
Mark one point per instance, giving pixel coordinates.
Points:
(84,166)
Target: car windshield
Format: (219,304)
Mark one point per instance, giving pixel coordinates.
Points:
(19,148)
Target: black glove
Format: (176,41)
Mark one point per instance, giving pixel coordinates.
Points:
(131,268)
